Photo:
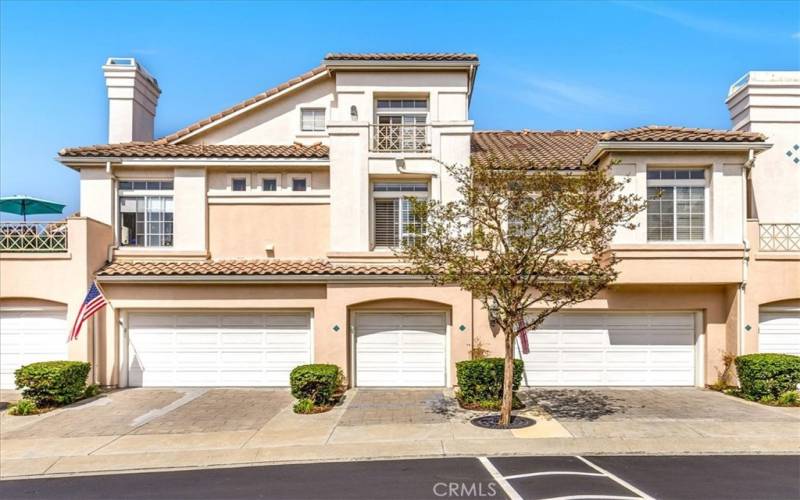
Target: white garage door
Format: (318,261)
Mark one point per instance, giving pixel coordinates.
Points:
(575,349)
(216,349)
(779,332)
(400,350)
(28,337)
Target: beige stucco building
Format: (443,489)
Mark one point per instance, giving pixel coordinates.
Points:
(263,237)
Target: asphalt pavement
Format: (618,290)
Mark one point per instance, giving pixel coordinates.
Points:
(726,477)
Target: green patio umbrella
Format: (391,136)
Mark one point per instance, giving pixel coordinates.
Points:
(28,205)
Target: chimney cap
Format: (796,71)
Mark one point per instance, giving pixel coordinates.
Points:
(128,63)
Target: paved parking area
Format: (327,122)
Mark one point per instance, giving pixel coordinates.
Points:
(220,410)
(111,414)
(398,406)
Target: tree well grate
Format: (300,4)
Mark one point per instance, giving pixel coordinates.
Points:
(493,422)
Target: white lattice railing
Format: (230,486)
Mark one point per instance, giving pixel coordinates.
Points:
(33,236)
(400,138)
(779,237)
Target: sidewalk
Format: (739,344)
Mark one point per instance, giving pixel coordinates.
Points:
(201,428)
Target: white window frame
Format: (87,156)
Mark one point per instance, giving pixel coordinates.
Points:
(314,128)
(145,194)
(424,195)
(674,183)
(275,177)
(290,182)
(231,177)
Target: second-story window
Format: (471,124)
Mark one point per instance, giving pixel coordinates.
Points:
(299,184)
(312,120)
(239,184)
(393,219)
(269,184)
(146,213)
(401,125)
(676,204)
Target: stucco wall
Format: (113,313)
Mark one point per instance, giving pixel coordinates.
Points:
(245,231)
(277,122)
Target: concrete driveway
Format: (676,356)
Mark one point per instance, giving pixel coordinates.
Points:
(137,429)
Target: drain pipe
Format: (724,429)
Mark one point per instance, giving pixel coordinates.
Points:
(742,293)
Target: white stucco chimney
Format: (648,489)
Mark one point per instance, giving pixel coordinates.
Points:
(132,99)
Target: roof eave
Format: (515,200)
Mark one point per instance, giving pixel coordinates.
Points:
(360,64)
(76,162)
(603,147)
(262,278)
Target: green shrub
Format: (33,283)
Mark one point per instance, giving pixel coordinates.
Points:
(481,380)
(52,382)
(23,407)
(91,391)
(789,398)
(317,383)
(767,375)
(304,406)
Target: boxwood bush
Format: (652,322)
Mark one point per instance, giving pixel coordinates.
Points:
(318,383)
(50,383)
(481,380)
(767,376)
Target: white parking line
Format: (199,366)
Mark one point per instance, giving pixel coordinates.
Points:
(611,476)
(511,492)
(555,473)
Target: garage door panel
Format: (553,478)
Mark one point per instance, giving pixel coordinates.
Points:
(779,332)
(29,337)
(613,349)
(400,350)
(225,349)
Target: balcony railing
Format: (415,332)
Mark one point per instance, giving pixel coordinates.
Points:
(400,138)
(33,236)
(779,237)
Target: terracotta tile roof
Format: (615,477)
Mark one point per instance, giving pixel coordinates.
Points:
(401,56)
(659,133)
(247,102)
(155,150)
(271,267)
(535,149)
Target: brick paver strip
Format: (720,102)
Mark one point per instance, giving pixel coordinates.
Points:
(396,406)
(221,410)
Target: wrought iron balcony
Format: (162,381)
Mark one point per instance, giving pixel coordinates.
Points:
(779,237)
(33,237)
(400,138)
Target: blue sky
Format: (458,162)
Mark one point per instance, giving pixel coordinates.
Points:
(544,65)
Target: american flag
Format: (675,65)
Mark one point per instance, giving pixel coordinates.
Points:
(523,336)
(93,302)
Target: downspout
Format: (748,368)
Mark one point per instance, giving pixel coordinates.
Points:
(748,165)
(114,212)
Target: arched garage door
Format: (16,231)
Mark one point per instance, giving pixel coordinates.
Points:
(779,331)
(30,336)
(400,349)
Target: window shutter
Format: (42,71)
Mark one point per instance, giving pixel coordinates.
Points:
(386,222)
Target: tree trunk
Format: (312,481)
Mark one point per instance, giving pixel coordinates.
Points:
(508,381)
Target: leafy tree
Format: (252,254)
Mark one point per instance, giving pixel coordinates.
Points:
(526,242)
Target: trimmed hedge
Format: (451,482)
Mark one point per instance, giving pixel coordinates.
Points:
(317,383)
(767,375)
(481,380)
(52,382)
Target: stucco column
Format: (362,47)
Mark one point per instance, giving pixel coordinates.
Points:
(349,176)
